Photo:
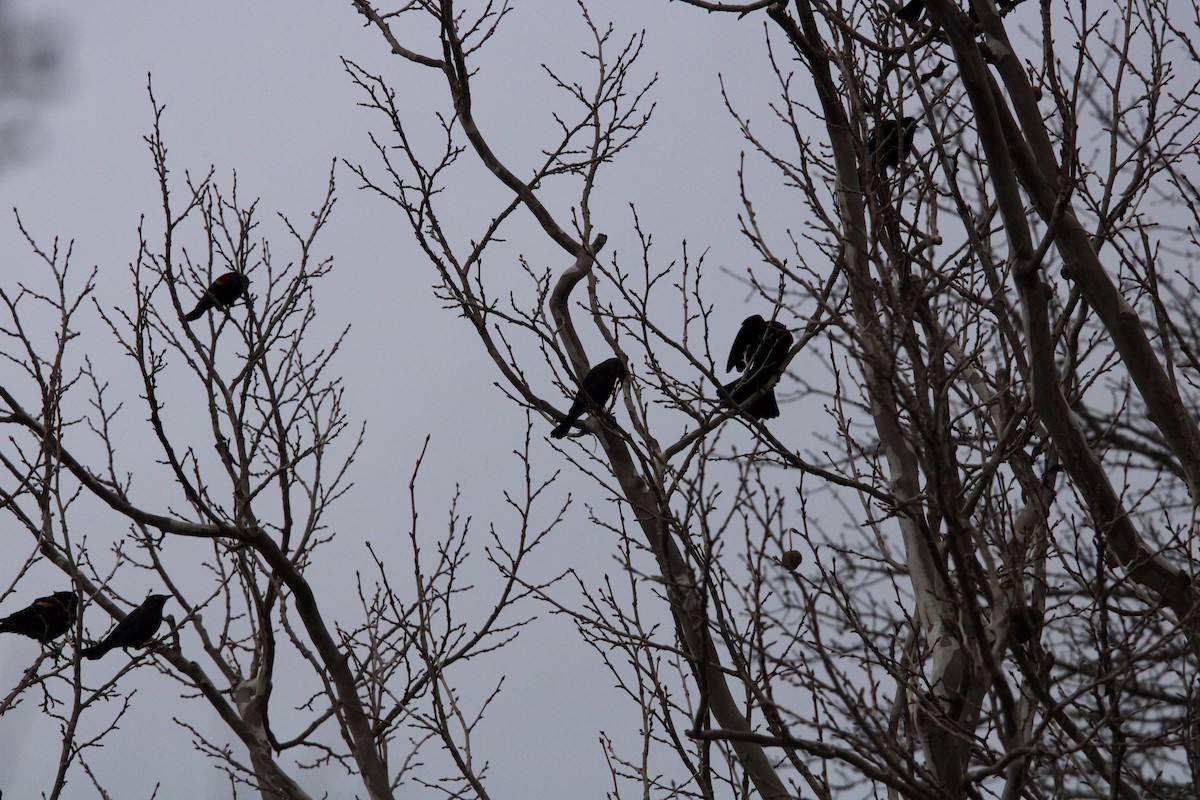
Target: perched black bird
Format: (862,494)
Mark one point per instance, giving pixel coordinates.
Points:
(1001,7)
(45,619)
(911,11)
(221,293)
(1025,622)
(891,142)
(593,395)
(137,629)
(759,350)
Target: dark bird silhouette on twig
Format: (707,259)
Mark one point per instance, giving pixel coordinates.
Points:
(45,619)
(891,142)
(1001,7)
(1025,622)
(759,350)
(597,389)
(221,293)
(137,629)
(911,11)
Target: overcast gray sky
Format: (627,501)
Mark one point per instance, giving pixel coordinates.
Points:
(258,88)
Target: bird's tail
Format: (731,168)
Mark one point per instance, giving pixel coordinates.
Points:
(741,390)
(95,651)
(561,430)
(205,303)
(765,407)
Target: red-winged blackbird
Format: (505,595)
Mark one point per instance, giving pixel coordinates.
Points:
(594,394)
(138,628)
(891,142)
(45,619)
(221,293)
(759,349)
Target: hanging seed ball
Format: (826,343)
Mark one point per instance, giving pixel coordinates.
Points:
(791,560)
(1024,622)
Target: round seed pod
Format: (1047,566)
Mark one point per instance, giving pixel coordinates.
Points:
(791,559)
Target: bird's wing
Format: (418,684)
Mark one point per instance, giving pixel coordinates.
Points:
(124,625)
(783,343)
(744,343)
(770,349)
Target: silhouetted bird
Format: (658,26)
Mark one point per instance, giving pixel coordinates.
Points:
(1025,622)
(594,394)
(221,293)
(911,11)
(137,629)
(45,619)
(759,350)
(1001,7)
(891,142)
